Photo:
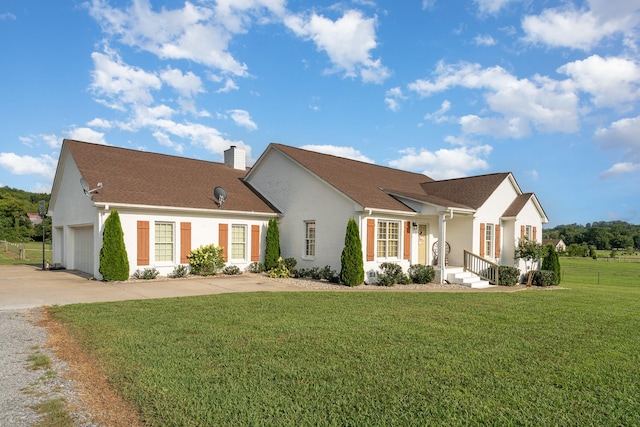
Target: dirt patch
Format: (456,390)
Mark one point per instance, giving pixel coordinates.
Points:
(103,404)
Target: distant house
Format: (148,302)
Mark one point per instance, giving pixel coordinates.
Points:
(166,208)
(557,243)
(165,203)
(35,218)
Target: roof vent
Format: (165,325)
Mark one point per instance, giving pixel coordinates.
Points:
(235,157)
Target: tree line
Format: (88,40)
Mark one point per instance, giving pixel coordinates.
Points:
(15,225)
(602,235)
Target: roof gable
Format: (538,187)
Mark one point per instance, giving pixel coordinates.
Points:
(143,178)
(470,191)
(366,183)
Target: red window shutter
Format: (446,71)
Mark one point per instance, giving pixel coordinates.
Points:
(522,232)
(407,240)
(255,243)
(482,237)
(143,243)
(223,240)
(371,239)
(497,241)
(535,232)
(185,241)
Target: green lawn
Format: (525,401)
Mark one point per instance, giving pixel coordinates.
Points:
(33,254)
(536,357)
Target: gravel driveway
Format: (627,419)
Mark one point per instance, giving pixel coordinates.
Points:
(23,388)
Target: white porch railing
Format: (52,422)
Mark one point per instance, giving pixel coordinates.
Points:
(486,269)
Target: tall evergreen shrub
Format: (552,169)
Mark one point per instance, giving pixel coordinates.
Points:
(352,264)
(114,263)
(272,251)
(551,262)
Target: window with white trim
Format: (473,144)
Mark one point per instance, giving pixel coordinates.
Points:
(528,232)
(310,238)
(164,241)
(489,240)
(388,239)
(239,242)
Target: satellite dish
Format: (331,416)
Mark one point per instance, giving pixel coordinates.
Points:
(86,188)
(220,195)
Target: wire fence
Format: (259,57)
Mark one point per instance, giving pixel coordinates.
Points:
(604,271)
(25,251)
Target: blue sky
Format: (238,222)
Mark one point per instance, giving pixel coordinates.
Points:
(547,90)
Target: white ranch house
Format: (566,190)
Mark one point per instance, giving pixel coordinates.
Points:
(166,209)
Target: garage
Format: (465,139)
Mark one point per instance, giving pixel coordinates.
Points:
(83,249)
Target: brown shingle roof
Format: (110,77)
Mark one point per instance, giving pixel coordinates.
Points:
(471,191)
(516,206)
(362,182)
(143,178)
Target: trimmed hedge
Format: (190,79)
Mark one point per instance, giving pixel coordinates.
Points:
(508,276)
(544,278)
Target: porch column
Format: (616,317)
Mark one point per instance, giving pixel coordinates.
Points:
(442,246)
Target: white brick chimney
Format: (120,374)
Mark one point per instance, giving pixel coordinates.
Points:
(235,157)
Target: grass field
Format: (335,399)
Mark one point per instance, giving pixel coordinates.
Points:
(33,254)
(603,271)
(537,357)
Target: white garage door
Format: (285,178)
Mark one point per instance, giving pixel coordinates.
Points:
(83,249)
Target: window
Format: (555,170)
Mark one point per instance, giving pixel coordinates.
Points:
(528,232)
(489,239)
(310,238)
(164,241)
(388,242)
(238,242)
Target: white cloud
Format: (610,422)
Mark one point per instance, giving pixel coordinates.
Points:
(164,140)
(187,84)
(7,16)
(622,134)
(620,169)
(348,41)
(100,123)
(348,152)
(87,134)
(120,82)
(229,85)
(547,105)
(439,116)
(393,97)
(236,15)
(491,7)
(189,33)
(484,40)
(28,165)
(612,82)
(242,118)
(585,28)
(444,163)
(53,141)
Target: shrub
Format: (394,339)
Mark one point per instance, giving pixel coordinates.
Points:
(391,274)
(255,267)
(180,271)
(272,249)
(231,270)
(114,263)
(280,270)
(290,263)
(551,262)
(146,274)
(206,260)
(508,276)
(543,278)
(351,262)
(419,273)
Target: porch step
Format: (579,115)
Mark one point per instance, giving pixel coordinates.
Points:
(466,278)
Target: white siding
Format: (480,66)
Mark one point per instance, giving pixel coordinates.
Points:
(301,196)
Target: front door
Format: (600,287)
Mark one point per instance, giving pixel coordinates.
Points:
(423,244)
